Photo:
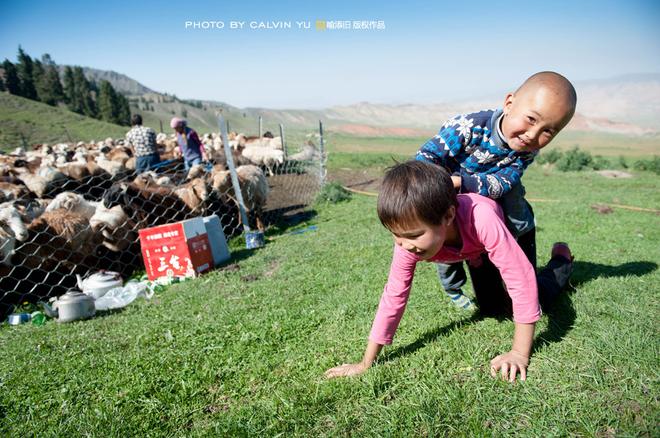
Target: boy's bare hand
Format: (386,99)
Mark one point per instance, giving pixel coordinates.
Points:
(510,364)
(346,370)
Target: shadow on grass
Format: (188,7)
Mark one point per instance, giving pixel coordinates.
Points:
(561,319)
(430,336)
(584,271)
(562,315)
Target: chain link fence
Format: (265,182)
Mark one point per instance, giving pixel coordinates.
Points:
(70,209)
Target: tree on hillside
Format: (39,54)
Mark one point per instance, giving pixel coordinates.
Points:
(47,60)
(107,102)
(70,89)
(47,81)
(2,84)
(12,83)
(51,82)
(113,106)
(37,76)
(82,94)
(24,69)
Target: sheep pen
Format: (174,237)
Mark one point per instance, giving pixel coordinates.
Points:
(75,208)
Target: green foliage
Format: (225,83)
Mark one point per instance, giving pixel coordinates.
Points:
(113,106)
(652,165)
(599,163)
(82,94)
(575,160)
(25,68)
(12,83)
(333,193)
(550,156)
(623,164)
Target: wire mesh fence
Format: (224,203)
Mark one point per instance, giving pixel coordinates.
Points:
(76,208)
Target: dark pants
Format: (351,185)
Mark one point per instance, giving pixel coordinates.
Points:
(146,162)
(491,294)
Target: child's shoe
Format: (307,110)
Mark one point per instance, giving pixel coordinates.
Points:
(561,249)
(459,299)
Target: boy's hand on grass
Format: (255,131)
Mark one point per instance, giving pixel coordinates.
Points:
(346,370)
(510,364)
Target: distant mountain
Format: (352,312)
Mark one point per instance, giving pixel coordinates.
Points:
(627,105)
(120,82)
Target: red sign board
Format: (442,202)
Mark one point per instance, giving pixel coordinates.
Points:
(176,250)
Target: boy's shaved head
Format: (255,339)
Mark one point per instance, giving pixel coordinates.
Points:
(553,83)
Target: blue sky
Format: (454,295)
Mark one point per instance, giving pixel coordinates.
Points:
(429,51)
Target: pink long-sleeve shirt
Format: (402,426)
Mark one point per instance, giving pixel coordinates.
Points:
(482,230)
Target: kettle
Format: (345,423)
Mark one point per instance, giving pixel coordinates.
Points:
(97,284)
(71,306)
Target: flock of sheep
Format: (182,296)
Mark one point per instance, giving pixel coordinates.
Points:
(69,209)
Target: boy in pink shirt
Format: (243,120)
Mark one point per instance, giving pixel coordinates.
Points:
(429,222)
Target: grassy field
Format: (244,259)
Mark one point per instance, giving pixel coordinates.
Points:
(26,122)
(609,145)
(242,351)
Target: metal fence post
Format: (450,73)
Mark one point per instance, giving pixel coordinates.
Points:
(161,125)
(260,126)
(283,142)
(232,171)
(322,175)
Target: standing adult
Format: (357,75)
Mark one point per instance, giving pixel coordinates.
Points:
(143,141)
(191,146)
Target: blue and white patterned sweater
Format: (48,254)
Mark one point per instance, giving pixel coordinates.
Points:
(469,145)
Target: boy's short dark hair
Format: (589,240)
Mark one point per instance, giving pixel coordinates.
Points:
(136,119)
(415,191)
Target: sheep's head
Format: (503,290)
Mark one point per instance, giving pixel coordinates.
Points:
(11,220)
(221,182)
(201,188)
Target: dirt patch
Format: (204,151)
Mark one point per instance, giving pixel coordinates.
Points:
(614,174)
(602,209)
(363,180)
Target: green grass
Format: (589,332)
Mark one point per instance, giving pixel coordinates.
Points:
(597,143)
(30,122)
(243,352)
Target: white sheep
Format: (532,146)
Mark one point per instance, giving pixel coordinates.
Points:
(261,156)
(12,229)
(254,189)
(75,203)
(113,167)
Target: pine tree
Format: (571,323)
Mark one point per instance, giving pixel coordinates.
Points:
(83,93)
(107,102)
(69,89)
(38,73)
(52,83)
(2,84)
(25,68)
(12,83)
(123,110)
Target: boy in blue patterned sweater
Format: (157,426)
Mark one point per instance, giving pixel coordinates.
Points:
(488,151)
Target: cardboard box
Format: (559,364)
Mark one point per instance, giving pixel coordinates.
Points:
(219,248)
(181,249)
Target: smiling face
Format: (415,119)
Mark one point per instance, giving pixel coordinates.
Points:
(533,117)
(423,239)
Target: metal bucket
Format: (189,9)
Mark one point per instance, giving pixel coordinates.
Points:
(254,239)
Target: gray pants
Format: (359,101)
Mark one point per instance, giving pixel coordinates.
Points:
(519,218)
